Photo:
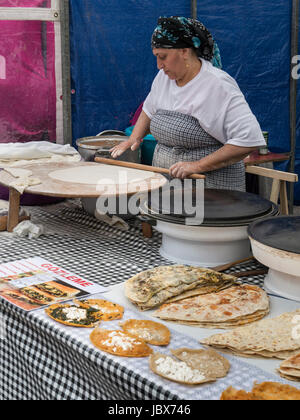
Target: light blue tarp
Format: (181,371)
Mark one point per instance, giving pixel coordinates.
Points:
(113,67)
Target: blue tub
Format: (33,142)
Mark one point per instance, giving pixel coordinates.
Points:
(147,148)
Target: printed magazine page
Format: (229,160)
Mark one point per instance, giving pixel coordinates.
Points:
(35,283)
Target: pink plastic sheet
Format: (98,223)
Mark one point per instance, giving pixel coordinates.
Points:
(27,77)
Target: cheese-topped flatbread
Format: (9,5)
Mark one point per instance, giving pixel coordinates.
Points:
(155,286)
(149,331)
(237,305)
(74,316)
(119,343)
(209,362)
(109,310)
(176,370)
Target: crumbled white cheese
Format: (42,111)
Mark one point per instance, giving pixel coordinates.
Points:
(178,371)
(119,339)
(143,333)
(73,313)
(103,309)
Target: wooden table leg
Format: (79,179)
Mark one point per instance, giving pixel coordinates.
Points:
(147,230)
(275,191)
(284,203)
(14,209)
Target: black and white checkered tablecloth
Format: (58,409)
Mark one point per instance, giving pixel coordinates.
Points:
(40,359)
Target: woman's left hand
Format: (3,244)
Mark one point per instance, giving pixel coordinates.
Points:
(184,169)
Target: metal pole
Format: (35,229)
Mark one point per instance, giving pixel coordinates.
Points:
(194,9)
(66,71)
(293,97)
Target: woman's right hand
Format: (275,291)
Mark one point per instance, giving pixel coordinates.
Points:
(122,147)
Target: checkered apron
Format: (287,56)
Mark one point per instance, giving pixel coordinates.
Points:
(181,138)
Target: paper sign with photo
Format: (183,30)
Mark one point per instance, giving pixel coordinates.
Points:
(34,283)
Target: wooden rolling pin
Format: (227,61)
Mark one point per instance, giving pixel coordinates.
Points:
(232,264)
(141,167)
(250,273)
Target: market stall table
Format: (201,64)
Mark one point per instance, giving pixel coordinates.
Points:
(255,158)
(41,359)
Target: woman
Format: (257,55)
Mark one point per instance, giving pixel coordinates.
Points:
(195,110)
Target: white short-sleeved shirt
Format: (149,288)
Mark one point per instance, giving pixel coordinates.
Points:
(214,99)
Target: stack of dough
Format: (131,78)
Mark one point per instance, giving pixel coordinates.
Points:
(153,287)
(24,179)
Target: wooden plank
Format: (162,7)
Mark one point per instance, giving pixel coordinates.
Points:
(272,173)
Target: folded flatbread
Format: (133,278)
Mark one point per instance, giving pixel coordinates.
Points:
(271,338)
(290,368)
(234,306)
(153,287)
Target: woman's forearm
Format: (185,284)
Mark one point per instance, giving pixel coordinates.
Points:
(141,129)
(227,155)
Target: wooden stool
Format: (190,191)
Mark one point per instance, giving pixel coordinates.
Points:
(279,186)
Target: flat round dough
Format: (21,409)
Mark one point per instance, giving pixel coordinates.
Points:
(103,174)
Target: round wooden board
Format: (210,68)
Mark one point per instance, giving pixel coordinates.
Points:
(67,189)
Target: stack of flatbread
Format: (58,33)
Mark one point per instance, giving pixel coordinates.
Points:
(153,287)
(271,338)
(290,368)
(237,305)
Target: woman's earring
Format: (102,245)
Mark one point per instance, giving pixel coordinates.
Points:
(186,64)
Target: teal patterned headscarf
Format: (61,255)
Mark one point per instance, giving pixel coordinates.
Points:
(181,32)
